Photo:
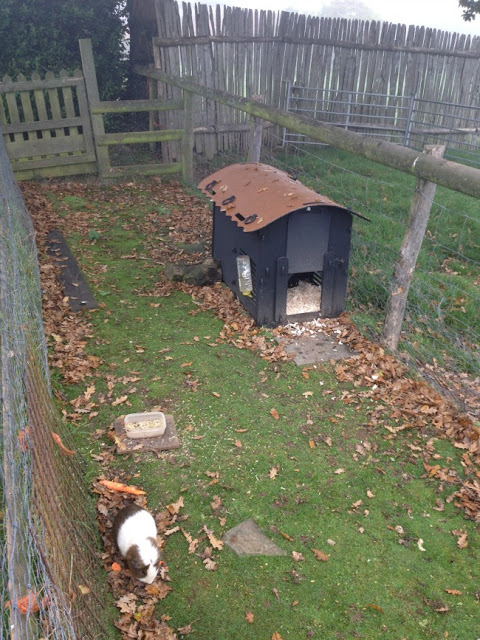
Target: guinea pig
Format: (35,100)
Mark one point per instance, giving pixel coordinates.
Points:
(135,534)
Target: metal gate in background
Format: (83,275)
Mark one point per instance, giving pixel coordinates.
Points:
(405,120)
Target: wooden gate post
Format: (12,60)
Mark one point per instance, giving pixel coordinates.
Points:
(188,137)
(93,98)
(407,259)
(256,132)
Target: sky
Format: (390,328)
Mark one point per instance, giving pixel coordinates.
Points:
(438,14)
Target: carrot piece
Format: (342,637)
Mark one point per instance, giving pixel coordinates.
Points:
(23,439)
(58,440)
(29,603)
(118,486)
(116,567)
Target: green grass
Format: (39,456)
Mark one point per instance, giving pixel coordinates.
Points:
(372,586)
(444,288)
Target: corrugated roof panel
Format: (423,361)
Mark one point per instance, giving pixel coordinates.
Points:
(254,195)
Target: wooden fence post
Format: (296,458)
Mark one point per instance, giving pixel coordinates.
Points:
(407,259)
(188,137)
(93,98)
(256,132)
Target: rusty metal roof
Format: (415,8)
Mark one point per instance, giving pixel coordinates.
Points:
(254,195)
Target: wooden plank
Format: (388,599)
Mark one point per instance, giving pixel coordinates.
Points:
(56,171)
(91,87)
(134,106)
(286,39)
(139,137)
(52,146)
(188,139)
(146,169)
(7,86)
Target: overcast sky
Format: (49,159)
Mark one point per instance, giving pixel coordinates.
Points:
(439,14)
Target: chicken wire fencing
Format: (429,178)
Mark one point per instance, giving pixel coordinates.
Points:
(441,332)
(50,585)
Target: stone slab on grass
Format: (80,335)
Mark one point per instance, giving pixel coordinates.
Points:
(320,347)
(247,539)
(169,440)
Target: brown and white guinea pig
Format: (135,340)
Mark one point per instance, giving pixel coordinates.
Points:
(135,533)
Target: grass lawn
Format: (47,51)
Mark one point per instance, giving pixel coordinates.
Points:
(323,476)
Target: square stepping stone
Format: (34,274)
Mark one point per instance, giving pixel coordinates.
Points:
(247,539)
(167,440)
(320,347)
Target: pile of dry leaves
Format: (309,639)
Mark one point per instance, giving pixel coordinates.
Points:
(136,600)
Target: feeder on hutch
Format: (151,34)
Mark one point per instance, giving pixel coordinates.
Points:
(283,248)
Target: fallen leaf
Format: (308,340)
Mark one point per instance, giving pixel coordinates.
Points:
(286,536)
(338,471)
(215,542)
(119,400)
(376,607)
(420,544)
(186,364)
(311,444)
(277,636)
(298,557)
(127,603)
(249,617)
(320,555)
(307,394)
(83,589)
(331,542)
(238,444)
(175,507)
(216,503)
(275,414)
(216,394)
(454,592)
(328,441)
(272,474)
(210,564)
(370,494)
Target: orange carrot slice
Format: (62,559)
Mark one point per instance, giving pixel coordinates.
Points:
(58,440)
(124,488)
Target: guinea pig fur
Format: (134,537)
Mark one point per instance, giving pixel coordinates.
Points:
(135,533)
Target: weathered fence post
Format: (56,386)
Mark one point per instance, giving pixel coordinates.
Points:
(255,137)
(407,259)
(88,65)
(188,137)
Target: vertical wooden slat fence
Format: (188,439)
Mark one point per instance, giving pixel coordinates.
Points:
(247,52)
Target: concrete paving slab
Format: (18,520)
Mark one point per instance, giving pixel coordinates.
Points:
(309,349)
(169,439)
(247,539)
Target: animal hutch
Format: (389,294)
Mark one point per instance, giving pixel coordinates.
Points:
(283,248)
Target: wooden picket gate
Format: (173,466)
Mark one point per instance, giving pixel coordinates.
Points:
(46,125)
(54,127)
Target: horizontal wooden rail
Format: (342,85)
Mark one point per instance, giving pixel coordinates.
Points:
(43,125)
(138,137)
(127,106)
(328,42)
(444,172)
(34,85)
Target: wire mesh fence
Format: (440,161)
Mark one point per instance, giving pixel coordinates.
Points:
(51,586)
(441,331)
